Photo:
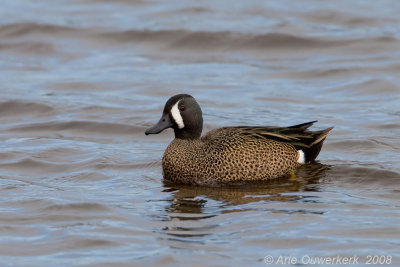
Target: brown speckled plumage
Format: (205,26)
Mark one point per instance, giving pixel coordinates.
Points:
(231,154)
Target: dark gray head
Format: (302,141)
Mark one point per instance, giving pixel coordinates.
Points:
(183,114)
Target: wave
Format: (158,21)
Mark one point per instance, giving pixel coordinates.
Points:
(13,108)
(30,48)
(23,29)
(370,87)
(37,166)
(203,40)
(78,207)
(363,175)
(362,145)
(185,39)
(100,128)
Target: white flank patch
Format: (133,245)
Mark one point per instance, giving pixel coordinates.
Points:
(176,114)
(302,157)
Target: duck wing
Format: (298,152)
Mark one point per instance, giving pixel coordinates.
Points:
(297,135)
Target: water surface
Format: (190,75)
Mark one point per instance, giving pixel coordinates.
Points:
(80,82)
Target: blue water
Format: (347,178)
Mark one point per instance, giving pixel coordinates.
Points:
(81,185)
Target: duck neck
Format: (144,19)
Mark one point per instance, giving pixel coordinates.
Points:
(188,133)
(191,130)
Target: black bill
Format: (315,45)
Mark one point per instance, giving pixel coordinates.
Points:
(164,123)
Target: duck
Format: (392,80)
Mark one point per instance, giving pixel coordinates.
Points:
(231,155)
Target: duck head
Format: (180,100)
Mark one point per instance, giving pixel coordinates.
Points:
(183,114)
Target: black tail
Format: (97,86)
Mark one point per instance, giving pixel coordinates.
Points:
(313,150)
(303,126)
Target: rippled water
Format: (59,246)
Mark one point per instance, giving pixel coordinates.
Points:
(80,81)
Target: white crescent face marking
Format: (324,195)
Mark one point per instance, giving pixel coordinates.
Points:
(302,158)
(176,115)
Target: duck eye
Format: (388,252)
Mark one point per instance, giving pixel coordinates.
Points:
(182,108)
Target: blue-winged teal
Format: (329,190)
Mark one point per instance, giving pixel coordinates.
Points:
(231,154)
